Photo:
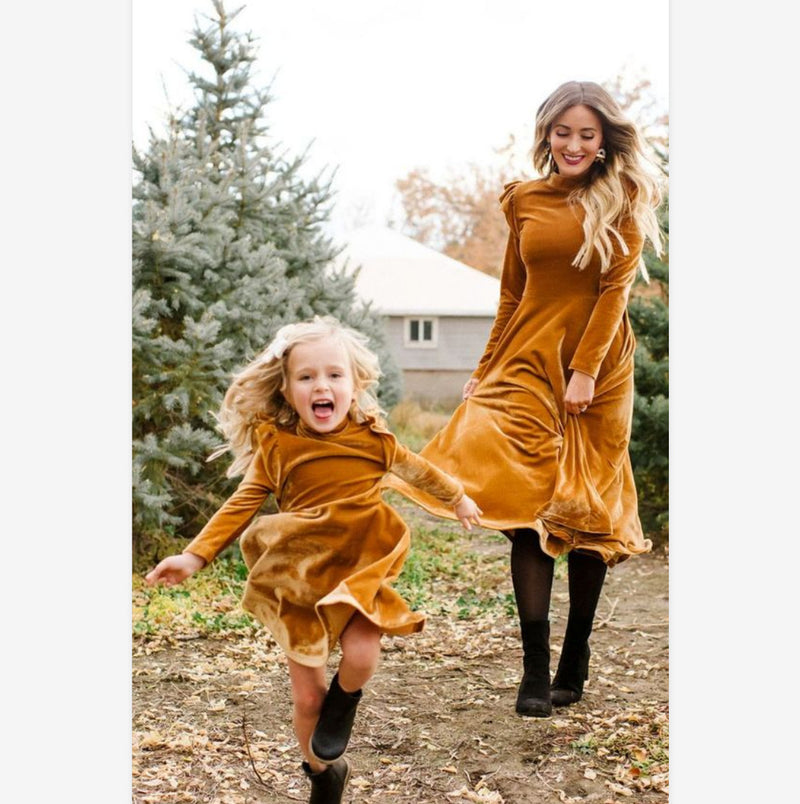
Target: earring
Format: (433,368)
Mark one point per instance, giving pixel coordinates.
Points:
(600,156)
(549,157)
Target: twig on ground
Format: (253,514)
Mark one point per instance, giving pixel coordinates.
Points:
(494,685)
(639,626)
(610,614)
(260,779)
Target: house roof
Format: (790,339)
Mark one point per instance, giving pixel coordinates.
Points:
(402,277)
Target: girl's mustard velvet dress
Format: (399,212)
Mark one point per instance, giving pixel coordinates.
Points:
(335,546)
(520,456)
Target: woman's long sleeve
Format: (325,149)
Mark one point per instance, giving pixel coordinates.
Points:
(615,286)
(512,280)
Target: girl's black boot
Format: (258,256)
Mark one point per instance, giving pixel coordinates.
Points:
(533,696)
(332,732)
(328,786)
(573,666)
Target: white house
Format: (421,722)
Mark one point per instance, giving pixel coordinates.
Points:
(438,310)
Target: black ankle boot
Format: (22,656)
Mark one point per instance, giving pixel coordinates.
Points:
(573,666)
(329,740)
(328,786)
(533,697)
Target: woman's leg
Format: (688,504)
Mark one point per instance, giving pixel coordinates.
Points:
(308,693)
(532,576)
(586,575)
(361,645)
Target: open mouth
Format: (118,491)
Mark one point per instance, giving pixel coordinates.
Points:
(322,409)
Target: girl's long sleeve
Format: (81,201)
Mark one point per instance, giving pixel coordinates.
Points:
(230,521)
(421,473)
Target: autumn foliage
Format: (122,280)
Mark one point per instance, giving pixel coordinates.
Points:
(460,215)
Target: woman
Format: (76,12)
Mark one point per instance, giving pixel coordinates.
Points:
(541,440)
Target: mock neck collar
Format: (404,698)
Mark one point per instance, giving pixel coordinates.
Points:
(559,182)
(310,432)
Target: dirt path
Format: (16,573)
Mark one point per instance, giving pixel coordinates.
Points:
(437,723)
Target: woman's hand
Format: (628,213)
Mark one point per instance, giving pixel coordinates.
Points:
(468,512)
(174,569)
(469,387)
(580,392)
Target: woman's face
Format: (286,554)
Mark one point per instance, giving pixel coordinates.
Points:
(575,138)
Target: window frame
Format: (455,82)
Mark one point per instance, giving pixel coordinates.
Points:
(409,343)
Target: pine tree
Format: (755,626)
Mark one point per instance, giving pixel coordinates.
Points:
(228,245)
(649,447)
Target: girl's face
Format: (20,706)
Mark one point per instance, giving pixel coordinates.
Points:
(320,384)
(575,138)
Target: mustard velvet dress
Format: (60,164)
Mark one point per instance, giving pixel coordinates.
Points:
(335,546)
(520,456)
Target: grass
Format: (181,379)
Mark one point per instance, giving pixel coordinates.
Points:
(415,425)
(206,604)
(636,745)
(443,574)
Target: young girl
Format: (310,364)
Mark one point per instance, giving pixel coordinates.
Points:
(302,424)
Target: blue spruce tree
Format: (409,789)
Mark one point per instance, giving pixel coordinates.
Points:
(228,245)
(649,312)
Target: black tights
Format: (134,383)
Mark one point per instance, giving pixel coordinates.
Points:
(532,575)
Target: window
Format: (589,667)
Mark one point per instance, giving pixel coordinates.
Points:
(421,333)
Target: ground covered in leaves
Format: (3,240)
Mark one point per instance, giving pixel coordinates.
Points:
(212,710)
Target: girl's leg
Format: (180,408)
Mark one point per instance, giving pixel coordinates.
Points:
(532,576)
(361,648)
(308,693)
(587,574)
(361,644)
(328,780)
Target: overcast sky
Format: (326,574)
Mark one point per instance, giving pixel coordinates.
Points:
(384,86)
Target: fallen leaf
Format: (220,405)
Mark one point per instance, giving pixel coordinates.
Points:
(619,789)
(153,739)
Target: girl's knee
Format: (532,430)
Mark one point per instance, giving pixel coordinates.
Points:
(361,651)
(361,658)
(308,688)
(308,698)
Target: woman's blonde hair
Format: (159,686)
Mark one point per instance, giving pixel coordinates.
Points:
(256,393)
(614,190)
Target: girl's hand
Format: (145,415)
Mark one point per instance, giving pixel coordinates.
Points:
(580,392)
(467,511)
(174,569)
(469,387)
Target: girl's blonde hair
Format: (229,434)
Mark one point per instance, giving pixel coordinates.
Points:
(256,393)
(614,190)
